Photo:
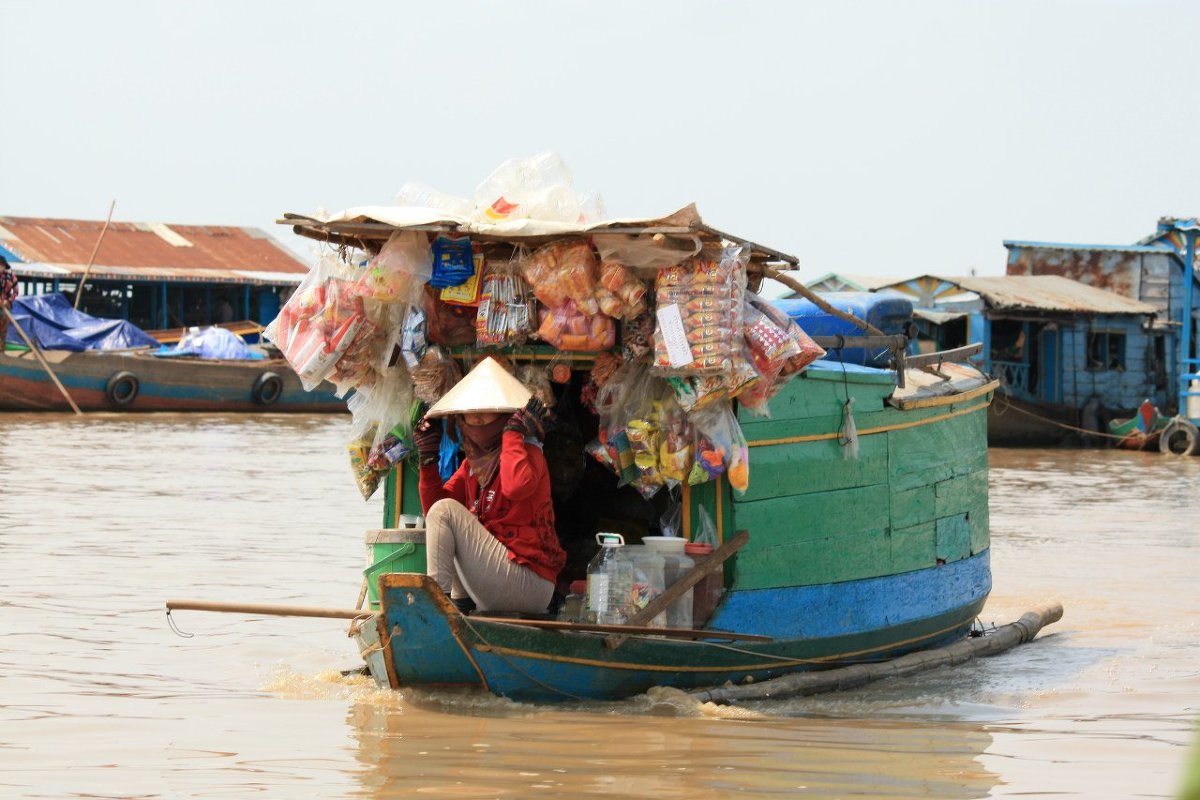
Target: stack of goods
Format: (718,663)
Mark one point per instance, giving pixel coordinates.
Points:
(563,275)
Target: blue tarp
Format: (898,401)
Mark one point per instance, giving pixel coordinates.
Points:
(888,312)
(53,324)
(211,342)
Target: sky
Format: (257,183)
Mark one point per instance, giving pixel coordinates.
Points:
(882,138)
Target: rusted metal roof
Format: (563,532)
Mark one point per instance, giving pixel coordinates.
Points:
(60,248)
(1049,293)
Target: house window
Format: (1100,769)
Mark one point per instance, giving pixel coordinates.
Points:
(1105,351)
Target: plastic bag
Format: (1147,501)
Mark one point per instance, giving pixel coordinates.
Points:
(403,264)
(453,261)
(565,327)
(699,312)
(720,448)
(706,530)
(434,375)
(507,310)
(564,270)
(537,380)
(620,294)
(808,350)
(377,414)
(646,251)
(538,187)
(449,325)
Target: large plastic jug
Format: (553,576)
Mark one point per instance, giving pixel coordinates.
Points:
(649,581)
(609,581)
(677,563)
(707,593)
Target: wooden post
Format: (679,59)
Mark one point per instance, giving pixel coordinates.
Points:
(37,353)
(88,270)
(820,302)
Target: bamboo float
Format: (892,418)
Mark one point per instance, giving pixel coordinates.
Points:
(37,353)
(806,683)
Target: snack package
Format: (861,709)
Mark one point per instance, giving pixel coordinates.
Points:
(699,312)
(453,261)
(564,270)
(620,294)
(637,336)
(434,375)
(446,324)
(506,308)
(469,291)
(380,423)
(720,448)
(565,327)
(809,351)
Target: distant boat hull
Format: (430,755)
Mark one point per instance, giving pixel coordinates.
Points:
(99,381)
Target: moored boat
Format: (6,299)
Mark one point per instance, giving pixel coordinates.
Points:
(1142,430)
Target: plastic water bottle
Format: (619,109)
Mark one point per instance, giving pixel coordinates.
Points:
(609,581)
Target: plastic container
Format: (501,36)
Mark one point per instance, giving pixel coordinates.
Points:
(649,581)
(574,604)
(609,580)
(706,595)
(677,564)
(889,313)
(393,550)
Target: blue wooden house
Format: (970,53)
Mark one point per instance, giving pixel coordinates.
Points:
(1158,270)
(1066,354)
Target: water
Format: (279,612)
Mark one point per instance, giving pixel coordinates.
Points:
(103,519)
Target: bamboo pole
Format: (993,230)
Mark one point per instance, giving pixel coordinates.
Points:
(806,683)
(88,270)
(268,609)
(37,353)
(818,301)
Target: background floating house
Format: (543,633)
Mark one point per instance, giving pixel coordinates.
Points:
(156,276)
(1065,353)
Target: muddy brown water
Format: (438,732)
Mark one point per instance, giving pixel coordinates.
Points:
(103,518)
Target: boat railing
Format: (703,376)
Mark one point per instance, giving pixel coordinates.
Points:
(1013,375)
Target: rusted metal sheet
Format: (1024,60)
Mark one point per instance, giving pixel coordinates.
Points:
(149,251)
(1049,293)
(1112,269)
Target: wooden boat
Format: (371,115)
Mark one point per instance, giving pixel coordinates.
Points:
(1142,430)
(846,560)
(135,380)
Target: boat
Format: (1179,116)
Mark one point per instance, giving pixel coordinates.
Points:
(845,560)
(1142,430)
(862,536)
(111,365)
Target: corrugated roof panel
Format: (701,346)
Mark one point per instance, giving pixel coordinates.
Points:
(1049,293)
(151,250)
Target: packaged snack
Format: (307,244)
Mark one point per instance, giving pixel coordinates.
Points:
(566,328)
(561,271)
(453,261)
(720,447)
(506,308)
(620,294)
(699,312)
(469,291)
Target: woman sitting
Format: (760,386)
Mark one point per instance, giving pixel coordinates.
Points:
(490,534)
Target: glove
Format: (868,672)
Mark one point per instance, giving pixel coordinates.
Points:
(427,437)
(529,421)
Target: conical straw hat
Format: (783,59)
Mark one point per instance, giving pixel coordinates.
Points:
(487,388)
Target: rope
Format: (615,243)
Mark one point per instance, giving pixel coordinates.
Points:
(1009,406)
(467,621)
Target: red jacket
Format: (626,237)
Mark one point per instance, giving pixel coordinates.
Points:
(517,509)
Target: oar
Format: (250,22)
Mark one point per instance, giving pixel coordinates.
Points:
(41,359)
(88,270)
(267,609)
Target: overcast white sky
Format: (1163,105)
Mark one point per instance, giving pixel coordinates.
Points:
(875,137)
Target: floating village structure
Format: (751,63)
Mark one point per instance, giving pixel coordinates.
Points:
(154,275)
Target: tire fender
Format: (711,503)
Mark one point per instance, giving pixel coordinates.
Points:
(1183,433)
(267,388)
(122,388)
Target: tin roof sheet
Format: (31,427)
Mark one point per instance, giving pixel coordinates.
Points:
(149,251)
(1049,293)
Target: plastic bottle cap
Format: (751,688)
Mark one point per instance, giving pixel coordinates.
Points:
(578,587)
(697,549)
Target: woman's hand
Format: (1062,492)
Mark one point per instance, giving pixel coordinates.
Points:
(427,436)
(530,421)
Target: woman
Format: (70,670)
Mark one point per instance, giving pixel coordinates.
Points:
(490,534)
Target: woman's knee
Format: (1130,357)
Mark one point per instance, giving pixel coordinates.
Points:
(441,511)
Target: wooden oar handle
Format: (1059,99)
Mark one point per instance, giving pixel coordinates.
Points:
(266,609)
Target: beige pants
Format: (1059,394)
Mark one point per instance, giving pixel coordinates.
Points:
(465,559)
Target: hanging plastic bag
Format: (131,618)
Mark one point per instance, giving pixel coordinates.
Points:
(403,264)
(538,187)
(564,270)
(507,310)
(453,261)
(720,448)
(537,380)
(675,445)
(449,325)
(565,327)
(620,294)
(808,350)
(699,312)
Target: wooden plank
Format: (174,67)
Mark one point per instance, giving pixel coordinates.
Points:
(914,547)
(807,467)
(669,633)
(953,538)
(830,559)
(955,354)
(930,453)
(913,507)
(676,590)
(962,494)
(815,516)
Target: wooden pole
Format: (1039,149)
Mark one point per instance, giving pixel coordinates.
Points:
(818,301)
(267,609)
(806,683)
(41,359)
(88,270)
